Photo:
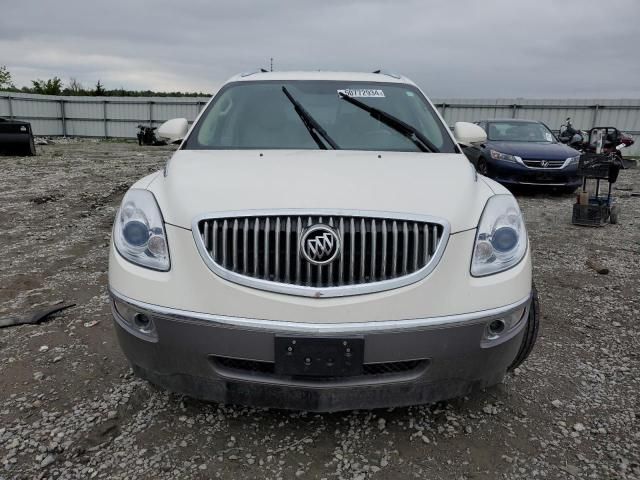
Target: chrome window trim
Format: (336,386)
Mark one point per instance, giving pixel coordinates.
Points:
(326,292)
(381,326)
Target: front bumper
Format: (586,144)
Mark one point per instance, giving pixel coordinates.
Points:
(516,174)
(230,359)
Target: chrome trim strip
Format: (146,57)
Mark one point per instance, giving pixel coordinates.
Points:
(522,160)
(542,184)
(323,328)
(324,292)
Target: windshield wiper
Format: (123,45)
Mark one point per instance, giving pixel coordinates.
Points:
(413,134)
(312,125)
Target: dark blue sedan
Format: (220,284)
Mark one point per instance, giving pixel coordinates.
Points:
(525,152)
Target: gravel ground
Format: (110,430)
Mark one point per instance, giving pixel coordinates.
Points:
(70,408)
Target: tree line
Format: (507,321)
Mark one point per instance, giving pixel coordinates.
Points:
(55,86)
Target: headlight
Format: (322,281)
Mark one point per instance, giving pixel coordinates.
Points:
(504,157)
(138,232)
(573,160)
(501,240)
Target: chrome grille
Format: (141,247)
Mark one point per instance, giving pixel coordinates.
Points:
(266,248)
(538,163)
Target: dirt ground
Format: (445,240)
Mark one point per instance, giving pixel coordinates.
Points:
(70,408)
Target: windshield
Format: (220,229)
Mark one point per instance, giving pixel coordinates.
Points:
(258,115)
(519,132)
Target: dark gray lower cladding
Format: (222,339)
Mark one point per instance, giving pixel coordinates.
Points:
(231,364)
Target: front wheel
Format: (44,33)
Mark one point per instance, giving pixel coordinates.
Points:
(530,332)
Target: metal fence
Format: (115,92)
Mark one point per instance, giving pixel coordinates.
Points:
(107,117)
(117,117)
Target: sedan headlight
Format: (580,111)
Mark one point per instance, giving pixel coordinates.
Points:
(505,157)
(501,240)
(573,160)
(139,234)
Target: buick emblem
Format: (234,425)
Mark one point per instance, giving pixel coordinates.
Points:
(544,163)
(320,244)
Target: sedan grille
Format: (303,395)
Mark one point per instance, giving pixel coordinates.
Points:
(375,252)
(547,163)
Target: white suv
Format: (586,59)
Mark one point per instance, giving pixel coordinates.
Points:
(319,242)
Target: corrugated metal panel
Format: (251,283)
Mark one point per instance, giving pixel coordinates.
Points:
(129,111)
(46,127)
(82,110)
(35,109)
(164,111)
(4,107)
(84,128)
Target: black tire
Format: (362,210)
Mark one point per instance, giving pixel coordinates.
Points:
(482,167)
(530,332)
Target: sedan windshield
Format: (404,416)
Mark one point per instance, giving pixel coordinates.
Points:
(260,115)
(519,132)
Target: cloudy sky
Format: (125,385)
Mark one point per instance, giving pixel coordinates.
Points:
(451,48)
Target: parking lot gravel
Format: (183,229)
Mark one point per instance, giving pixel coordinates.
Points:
(71,409)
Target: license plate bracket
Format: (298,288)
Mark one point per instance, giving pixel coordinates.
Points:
(318,356)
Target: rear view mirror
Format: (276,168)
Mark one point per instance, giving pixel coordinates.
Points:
(468,134)
(174,130)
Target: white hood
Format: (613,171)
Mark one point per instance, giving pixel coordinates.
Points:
(199,182)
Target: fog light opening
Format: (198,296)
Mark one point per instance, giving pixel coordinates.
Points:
(496,327)
(142,322)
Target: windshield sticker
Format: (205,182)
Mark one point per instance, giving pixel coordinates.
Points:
(548,136)
(362,92)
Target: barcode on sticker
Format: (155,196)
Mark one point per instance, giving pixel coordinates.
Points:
(362,92)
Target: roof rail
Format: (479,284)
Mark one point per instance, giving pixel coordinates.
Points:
(247,74)
(389,74)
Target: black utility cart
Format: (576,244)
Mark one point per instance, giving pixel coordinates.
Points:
(594,210)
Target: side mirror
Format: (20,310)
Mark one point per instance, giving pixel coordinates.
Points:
(174,130)
(468,134)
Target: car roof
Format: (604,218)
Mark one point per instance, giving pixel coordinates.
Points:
(381,77)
